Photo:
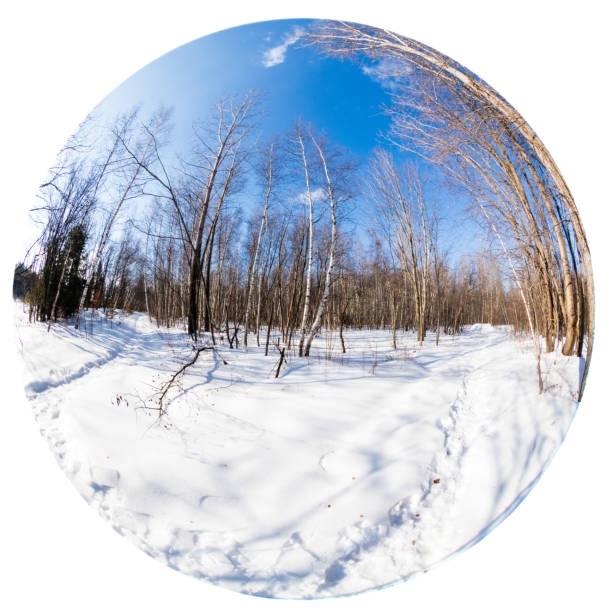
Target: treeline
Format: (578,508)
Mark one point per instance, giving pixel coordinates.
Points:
(366,292)
(293,264)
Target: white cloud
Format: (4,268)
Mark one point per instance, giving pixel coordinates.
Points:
(317,195)
(387,72)
(276,55)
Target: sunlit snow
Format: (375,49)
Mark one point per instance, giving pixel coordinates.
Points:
(348,472)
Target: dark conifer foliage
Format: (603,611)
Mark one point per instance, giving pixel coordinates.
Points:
(23,280)
(74,280)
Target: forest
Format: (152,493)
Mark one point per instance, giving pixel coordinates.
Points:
(289,366)
(239,238)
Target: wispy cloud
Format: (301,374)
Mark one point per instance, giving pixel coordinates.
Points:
(276,55)
(387,72)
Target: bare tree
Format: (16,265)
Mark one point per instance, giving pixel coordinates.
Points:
(403,217)
(139,151)
(333,186)
(233,125)
(270,170)
(413,60)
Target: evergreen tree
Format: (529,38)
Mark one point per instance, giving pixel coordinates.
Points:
(23,280)
(73,282)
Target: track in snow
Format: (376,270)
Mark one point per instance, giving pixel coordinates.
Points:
(340,476)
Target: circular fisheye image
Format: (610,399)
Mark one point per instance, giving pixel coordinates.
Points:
(310,308)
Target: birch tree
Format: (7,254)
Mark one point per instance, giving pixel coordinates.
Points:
(300,138)
(270,170)
(411,61)
(333,194)
(403,217)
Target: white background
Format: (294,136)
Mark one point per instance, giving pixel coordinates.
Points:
(549,59)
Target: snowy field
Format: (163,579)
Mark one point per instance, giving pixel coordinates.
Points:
(346,473)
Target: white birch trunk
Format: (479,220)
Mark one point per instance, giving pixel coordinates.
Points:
(255,255)
(332,250)
(309,268)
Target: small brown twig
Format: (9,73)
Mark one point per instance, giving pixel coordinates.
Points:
(168,385)
(281,359)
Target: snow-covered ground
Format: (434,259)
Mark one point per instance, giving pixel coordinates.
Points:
(346,473)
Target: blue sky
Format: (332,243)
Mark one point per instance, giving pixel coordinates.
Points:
(342,98)
(337,97)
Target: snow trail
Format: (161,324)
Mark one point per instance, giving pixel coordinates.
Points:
(344,474)
(419,520)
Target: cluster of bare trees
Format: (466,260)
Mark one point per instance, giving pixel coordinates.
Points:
(454,120)
(227,277)
(238,239)
(291,265)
